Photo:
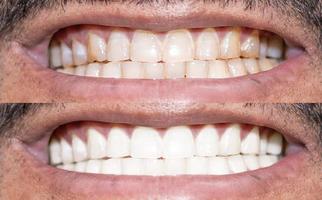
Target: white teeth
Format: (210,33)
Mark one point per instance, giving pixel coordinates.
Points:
(178,143)
(68,70)
(79,149)
(80,70)
(80,167)
(93,70)
(67,55)
(146,143)
(174,166)
(265,64)
(274,144)
(236,164)
(263,142)
(112,166)
(175,70)
(55,152)
(251,66)
(118,143)
(132,166)
(275,47)
(178,46)
(250,47)
(96,48)
(263,47)
(236,67)
(66,152)
(197,165)
(207,142)
(154,70)
(230,141)
(55,55)
(251,161)
(197,69)
(250,144)
(145,47)
(207,46)
(118,46)
(132,70)
(153,167)
(96,144)
(218,166)
(218,69)
(112,70)
(93,166)
(67,167)
(79,53)
(267,160)
(230,44)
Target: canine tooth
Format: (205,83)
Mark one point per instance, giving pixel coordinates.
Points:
(236,67)
(153,167)
(230,44)
(218,166)
(118,46)
(67,55)
(178,46)
(80,70)
(230,141)
(80,167)
(67,167)
(251,161)
(93,166)
(154,70)
(207,141)
(132,166)
(96,48)
(275,47)
(112,70)
(55,152)
(178,143)
(112,166)
(174,166)
(274,144)
(175,70)
(218,69)
(55,55)
(250,47)
(79,149)
(118,143)
(207,46)
(96,144)
(132,70)
(145,47)
(146,143)
(265,64)
(263,142)
(79,53)
(236,164)
(251,66)
(93,70)
(197,165)
(250,144)
(197,69)
(263,47)
(66,151)
(267,160)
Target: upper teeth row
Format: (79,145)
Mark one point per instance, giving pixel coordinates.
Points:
(177,46)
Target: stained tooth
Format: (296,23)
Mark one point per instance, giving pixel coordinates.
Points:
(174,166)
(93,70)
(146,143)
(112,166)
(274,144)
(275,47)
(154,70)
(250,47)
(80,70)
(96,144)
(111,70)
(55,152)
(96,48)
(230,44)
(265,64)
(236,67)
(218,166)
(145,47)
(274,62)
(236,164)
(67,167)
(153,167)
(67,55)
(118,143)
(197,69)
(263,47)
(178,46)
(79,149)
(132,70)
(175,70)
(251,161)
(230,141)
(118,46)
(207,46)
(263,142)
(178,143)
(132,166)
(55,55)
(267,160)
(251,66)
(80,167)
(66,151)
(250,144)
(93,166)
(197,165)
(207,141)
(79,53)
(218,69)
